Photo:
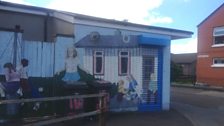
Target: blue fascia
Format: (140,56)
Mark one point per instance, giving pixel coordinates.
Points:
(158,41)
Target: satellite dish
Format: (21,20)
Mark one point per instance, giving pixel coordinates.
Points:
(94,36)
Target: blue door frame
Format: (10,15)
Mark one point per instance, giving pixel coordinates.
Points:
(157,106)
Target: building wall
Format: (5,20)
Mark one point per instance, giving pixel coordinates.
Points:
(35,27)
(188,69)
(45,58)
(205,72)
(32,25)
(6,49)
(111,64)
(62,28)
(166,77)
(83,30)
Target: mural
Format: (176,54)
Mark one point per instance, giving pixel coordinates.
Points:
(71,63)
(117,58)
(125,96)
(132,70)
(71,78)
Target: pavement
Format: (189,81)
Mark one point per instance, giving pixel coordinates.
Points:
(162,118)
(203,106)
(200,116)
(198,86)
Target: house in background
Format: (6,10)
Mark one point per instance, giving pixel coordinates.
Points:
(187,61)
(210,58)
(134,57)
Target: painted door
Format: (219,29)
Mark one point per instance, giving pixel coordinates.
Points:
(150,96)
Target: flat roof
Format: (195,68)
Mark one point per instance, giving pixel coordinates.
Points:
(72,17)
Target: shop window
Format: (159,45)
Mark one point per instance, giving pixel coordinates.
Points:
(124,63)
(218,36)
(98,65)
(218,62)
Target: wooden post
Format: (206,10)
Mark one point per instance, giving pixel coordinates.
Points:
(102,121)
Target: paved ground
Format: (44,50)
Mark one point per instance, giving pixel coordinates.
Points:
(201,107)
(165,118)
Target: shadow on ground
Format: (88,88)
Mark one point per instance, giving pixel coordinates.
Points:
(163,118)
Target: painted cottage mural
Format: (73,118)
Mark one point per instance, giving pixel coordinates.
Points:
(133,68)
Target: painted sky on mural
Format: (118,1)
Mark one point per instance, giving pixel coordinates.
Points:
(177,14)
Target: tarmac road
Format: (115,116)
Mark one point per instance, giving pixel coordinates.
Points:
(201,107)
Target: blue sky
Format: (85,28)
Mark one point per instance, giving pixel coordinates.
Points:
(177,14)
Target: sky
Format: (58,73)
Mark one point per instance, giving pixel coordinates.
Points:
(176,14)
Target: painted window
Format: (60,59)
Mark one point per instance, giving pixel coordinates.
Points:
(218,62)
(98,65)
(218,35)
(124,63)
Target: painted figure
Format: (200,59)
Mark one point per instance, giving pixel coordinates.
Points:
(71,63)
(132,93)
(12,84)
(153,87)
(121,91)
(23,72)
(11,88)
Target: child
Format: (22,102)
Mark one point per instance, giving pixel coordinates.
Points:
(121,91)
(11,87)
(71,63)
(12,84)
(23,71)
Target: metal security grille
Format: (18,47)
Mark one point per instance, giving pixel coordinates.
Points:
(149,85)
(150,96)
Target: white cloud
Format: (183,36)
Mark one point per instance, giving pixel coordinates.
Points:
(155,18)
(184,46)
(18,1)
(136,11)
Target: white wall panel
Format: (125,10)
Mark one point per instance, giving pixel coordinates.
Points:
(33,52)
(136,65)
(6,48)
(61,45)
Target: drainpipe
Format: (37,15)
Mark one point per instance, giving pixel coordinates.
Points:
(46,27)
